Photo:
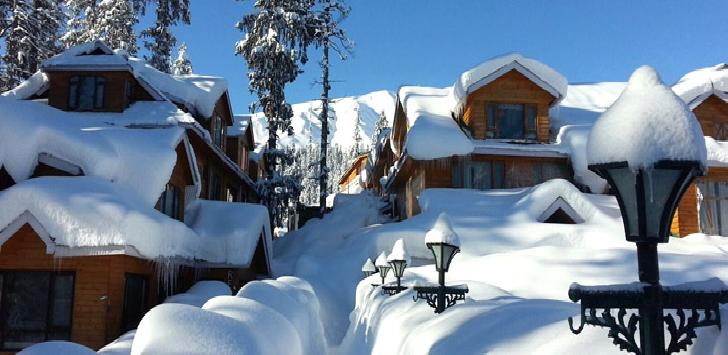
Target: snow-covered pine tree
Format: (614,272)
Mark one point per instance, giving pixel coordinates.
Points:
(381,124)
(114,24)
(182,65)
(5,19)
(328,35)
(31,37)
(357,133)
(277,35)
(80,25)
(161,39)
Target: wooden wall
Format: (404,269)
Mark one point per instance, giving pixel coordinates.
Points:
(686,219)
(711,111)
(96,322)
(114,90)
(512,87)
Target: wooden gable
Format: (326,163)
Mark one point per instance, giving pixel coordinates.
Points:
(510,88)
(712,114)
(399,128)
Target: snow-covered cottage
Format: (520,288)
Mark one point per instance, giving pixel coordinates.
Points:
(354,179)
(491,129)
(115,191)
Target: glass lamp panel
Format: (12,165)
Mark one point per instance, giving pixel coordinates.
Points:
(449,252)
(383,270)
(659,185)
(436,249)
(625,180)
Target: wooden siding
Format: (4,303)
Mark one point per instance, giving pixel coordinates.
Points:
(686,219)
(711,111)
(511,87)
(96,321)
(114,89)
(351,176)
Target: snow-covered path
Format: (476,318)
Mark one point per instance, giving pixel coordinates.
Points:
(518,271)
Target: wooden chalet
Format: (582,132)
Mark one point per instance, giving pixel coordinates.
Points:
(489,130)
(140,153)
(704,207)
(352,181)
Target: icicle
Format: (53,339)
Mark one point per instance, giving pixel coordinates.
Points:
(167,272)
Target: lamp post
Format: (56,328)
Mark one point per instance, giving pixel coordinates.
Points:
(382,265)
(368,268)
(648,180)
(398,260)
(444,243)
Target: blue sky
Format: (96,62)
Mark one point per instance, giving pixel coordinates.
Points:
(425,42)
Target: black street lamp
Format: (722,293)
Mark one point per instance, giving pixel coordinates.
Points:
(398,261)
(382,265)
(443,242)
(368,268)
(648,192)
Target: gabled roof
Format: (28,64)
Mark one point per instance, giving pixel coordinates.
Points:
(697,85)
(354,164)
(560,206)
(541,74)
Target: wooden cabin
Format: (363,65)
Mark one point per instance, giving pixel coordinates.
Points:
(126,132)
(351,181)
(489,131)
(704,207)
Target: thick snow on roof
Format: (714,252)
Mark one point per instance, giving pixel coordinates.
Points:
(432,132)
(81,56)
(442,232)
(89,212)
(698,85)
(99,143)
(647,123)
(235,227)
(37,83)
(540,73)
(584,103)
(542,196)
(240,125)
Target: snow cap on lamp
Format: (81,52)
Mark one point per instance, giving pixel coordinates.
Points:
(442,232)
(369,266)
(398,252)
(382,260)
(648,123)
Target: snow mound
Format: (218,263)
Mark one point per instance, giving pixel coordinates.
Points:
(647,123)
(430,120)
(475,78)
(236,238)
(183,329)
(200,292)
(57,348)
(540,197)
(698,85)
(442,232)
(399,252)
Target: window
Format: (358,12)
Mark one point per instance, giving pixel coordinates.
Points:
(479,175)
(511,121)
(713,207)
(128,92)
(217,134)
(35,307)
(135,301)
(86,93)
(232,194)
(720,131)
(169,202)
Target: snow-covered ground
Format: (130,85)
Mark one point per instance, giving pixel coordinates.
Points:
(518,271)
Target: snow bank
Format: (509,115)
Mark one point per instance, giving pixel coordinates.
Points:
(430,120)
(236,228)
(646,124)
(57,348)
(699,84)
(541,196)
(475,78)
(98,143)
(442,232)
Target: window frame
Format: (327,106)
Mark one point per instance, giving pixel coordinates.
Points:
(217,131)
(48,326)
(175,192)
(98,101)
(493,131)
(497,176)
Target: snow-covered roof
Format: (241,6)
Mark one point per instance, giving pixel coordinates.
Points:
(541,74)
(429,119)
(236,228)
(646,124)
(699,84)
(106,145)
(197,93)
(241,123)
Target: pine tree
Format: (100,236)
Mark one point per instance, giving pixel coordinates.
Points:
(80,27)
(277,35)
(182,66)
(328,35)
(114,24)
(357,133)
(31,37)
(379,126)
(162,40)
(5,21)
